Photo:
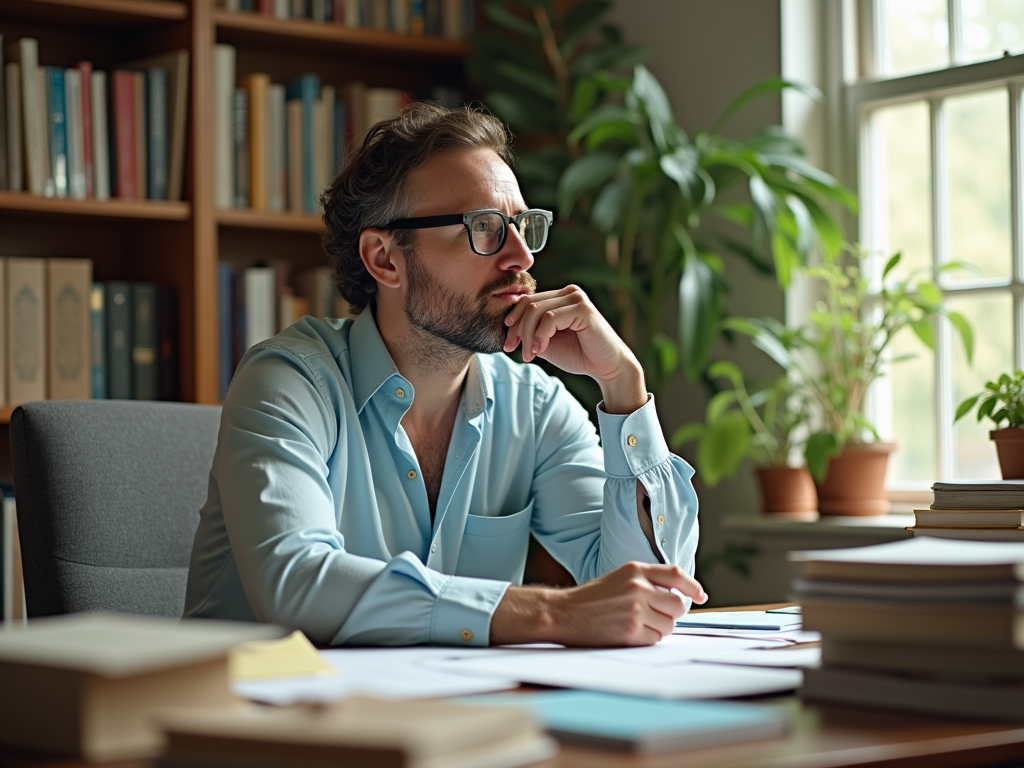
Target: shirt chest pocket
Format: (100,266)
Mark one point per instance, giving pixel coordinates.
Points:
(495,547)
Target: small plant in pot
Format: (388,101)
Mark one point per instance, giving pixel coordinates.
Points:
(762,426)
(1002,402)
(835,356)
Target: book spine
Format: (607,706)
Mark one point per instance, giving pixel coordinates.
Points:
(5,348)
(58,130)
(318,10)
(141,130)
(259,305)
(100,136)
(4,182)
(257,85)
(282,9)
(68,284)
(320,144)
(241,140)
(75,134)
(85,110)
(265,7)
(123,109)
(224,84)
(15,149)
(26,330)
(225,308)
(277,171)
(177,85)
(144,341)
(34,127)
(417,20)
(328,96)
(340,123)
(43,105)
(167,340)
(156,124)
(351,15)
(119,361)
(98,340)
(296,183)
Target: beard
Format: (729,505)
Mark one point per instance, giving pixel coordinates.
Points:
(464,322)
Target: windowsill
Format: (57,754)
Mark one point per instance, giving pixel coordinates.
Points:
(832,525)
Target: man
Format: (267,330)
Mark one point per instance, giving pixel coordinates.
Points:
(376,480)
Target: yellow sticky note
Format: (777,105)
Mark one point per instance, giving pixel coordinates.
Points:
(292,656)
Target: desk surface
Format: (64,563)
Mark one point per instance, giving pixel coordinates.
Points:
(821,736)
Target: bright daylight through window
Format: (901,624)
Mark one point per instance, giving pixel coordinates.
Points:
(939,110)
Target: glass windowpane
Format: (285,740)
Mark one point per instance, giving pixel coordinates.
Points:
(918,32)
(913,411)
(991,27)
(991,316)
(978,130)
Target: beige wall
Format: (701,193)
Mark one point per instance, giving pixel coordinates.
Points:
(705,53)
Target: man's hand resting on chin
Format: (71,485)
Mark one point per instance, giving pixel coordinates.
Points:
(632,605)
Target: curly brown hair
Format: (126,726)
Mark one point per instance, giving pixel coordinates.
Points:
(370,191)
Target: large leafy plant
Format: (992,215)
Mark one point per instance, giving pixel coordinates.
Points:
(842,348)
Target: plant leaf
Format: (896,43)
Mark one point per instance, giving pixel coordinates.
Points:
(891,264)
(536,81)
(655,102)
(965,407)
(503,17)
(820,447)
(772,85)
(582,176)
(610,113)
(987,407)
(963,327)
(724,369)
(925,331)
(929,293)
(687,433)
(698,315)
(723,448)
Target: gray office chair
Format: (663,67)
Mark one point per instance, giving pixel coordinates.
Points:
(108,495)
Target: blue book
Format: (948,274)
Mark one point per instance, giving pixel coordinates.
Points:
(644,725)
(306,88)
(58,130)
(225,308)
(98,338)
(156,133)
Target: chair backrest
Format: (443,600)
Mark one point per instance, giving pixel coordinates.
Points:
(108,495)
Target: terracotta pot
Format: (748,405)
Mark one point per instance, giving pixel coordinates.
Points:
(855,483)
(787,490)
(1010,449)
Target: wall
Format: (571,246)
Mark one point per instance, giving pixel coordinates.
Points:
(705,53)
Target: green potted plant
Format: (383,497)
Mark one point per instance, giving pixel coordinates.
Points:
(762,426)
(835,356)
(1002,402)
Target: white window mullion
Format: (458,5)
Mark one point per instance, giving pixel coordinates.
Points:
(1017,215)
(941,255)
(874,39)
(957,50)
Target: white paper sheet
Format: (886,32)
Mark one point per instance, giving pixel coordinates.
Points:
(767,638)
(742,620)
(773,657)
(389,673)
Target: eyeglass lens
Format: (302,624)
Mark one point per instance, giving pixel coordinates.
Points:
(488,232)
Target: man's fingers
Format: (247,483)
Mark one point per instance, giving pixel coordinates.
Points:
(674,577)
(668,603)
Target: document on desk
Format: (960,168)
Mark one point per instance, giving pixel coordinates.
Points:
(748,620)
(385,673)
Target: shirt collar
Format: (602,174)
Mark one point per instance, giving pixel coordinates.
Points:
(372,366)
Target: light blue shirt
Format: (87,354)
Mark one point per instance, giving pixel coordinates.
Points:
(317,516)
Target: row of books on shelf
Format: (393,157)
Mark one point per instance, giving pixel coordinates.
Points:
(278,145)
(984,510)
(82,133)
(453,19)
(68,338)
(261,301)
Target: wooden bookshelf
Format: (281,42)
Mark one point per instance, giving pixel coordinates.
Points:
(249,219)
(22,202)
(94,13)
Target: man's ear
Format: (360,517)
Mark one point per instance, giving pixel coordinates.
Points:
(378,252)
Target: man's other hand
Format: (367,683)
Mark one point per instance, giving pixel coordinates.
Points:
(565,328)
(632,605)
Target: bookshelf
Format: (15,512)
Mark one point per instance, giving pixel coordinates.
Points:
(180,243)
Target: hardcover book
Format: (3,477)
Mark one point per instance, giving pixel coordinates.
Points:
(145,375)
(68,284)
(26,330)
(119,323)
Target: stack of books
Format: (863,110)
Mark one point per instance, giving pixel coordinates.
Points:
(978,511)
(923,624)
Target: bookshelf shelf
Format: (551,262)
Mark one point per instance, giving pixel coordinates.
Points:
(5,413)
(112,209)
(253,29)
(288,222)
(118,13)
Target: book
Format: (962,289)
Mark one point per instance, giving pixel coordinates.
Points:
(98,340)
(57,129)
(644,726)
(223,122)
(75,133)
(968,518)
(917,560)
(3,121)
(971,534)
(981,494)
(1007,592)
(85,111)
(950,662)
(25,54)
(100,136)
(260,304)
(119,344)
(156,133)
(14,149)
(141,144)
(145,376)
(68,285)
(225,355)
(26,329)
(123,138)
(43,107)
(357,733)
(240,135)
(306,89)
(176,66)
(296,182)
(277,170)
(317,286)
(4,335)
(167,343)
(982,701)
(99,680)
(257,85)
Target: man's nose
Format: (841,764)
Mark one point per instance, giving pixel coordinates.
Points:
(514,256)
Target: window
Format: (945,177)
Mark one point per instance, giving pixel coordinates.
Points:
(940,173)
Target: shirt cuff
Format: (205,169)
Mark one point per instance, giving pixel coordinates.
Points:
(633,443)
(463,610)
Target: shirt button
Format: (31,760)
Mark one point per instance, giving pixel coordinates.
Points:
(664,542)
(661,519)
(631,440)
(433,547)
(466,635)
(400,392)
(411,474)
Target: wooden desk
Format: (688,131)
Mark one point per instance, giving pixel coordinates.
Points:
(821,736)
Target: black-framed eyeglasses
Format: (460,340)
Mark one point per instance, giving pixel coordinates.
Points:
(488,228)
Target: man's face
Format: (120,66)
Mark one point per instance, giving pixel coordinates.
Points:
(451,292)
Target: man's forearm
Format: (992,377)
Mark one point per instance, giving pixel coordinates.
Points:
(625,393)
